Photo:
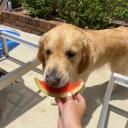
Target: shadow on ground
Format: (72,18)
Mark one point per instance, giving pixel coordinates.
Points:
(15,100)
(94,98)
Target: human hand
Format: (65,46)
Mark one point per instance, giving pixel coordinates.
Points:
(71,111)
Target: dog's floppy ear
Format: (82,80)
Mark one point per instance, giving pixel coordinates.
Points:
(85,59)
(40,54)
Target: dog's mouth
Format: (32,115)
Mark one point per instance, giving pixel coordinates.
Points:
(56,78)
(56,82)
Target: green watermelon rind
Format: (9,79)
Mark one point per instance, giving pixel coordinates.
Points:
(62,95)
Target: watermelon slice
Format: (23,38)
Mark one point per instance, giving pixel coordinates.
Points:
(62,91)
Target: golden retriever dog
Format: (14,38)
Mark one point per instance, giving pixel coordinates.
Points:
(69,53)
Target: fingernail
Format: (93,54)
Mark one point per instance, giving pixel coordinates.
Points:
(69,94)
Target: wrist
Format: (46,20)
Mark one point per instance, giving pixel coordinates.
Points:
(75,125)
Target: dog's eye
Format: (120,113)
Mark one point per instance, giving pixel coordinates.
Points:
(70,54)
(48,52)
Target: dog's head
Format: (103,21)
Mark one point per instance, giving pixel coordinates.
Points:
(63,53)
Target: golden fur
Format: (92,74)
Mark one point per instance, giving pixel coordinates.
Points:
(75,52)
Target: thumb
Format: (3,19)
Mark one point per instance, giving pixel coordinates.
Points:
(60,104)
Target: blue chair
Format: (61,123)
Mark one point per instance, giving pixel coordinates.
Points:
(11,44)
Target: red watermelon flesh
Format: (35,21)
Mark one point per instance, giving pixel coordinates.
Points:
(60,92)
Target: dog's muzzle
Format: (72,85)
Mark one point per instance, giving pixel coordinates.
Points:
(52,80)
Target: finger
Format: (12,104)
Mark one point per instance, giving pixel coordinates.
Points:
(60,104)
(80,98)
(59,100)
(69,96)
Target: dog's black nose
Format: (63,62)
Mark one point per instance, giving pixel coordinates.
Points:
(52,80)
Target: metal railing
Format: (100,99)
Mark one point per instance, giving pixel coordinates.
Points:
(24,68)
(105,112)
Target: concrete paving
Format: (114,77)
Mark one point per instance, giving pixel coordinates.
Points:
(23,106)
